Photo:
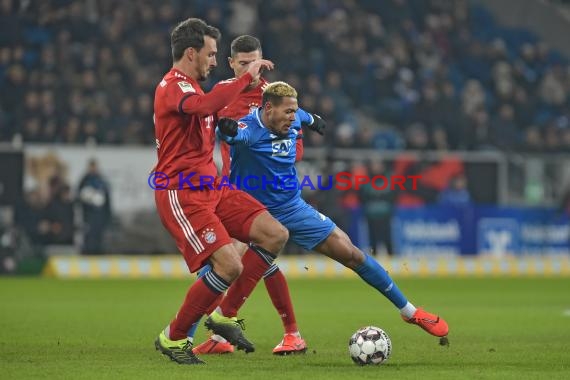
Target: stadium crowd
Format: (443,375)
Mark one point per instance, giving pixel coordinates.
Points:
(385,75)
(395,74)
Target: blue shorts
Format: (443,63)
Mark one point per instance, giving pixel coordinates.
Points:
(307,227)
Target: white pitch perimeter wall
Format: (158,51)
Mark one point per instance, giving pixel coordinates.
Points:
(125,168)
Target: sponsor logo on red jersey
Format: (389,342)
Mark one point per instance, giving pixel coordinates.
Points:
(186,87)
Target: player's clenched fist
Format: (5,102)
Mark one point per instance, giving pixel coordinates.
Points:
(228,126)
(318,125)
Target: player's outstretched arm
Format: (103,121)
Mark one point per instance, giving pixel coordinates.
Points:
(193,103)
(221,96)
(317,124)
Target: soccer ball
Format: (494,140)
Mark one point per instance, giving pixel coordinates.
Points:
(370,345)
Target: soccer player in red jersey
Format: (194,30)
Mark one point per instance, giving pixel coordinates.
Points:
(201,216)
(245,50)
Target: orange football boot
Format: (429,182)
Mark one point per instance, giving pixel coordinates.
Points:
(291,344)
(212,346)
(431,323)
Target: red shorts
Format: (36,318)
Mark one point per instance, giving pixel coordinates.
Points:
(202,221)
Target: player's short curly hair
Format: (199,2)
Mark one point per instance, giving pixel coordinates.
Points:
(191,33)
(276,91)
(244,44)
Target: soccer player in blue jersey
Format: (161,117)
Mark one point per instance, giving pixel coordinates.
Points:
(263,147)
(246,49)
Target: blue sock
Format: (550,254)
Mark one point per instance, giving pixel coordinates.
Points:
(193,329)
(377,277)
(205,269)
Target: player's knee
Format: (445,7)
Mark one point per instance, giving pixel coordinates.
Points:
(230,271)
(277,239)
(228,265)
(235,270)
(356,257)
(240,247)
(269,234)
(281,236)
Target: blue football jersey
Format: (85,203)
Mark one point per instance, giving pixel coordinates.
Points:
(263,163)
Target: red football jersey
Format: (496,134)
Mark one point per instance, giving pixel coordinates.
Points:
(247,101)
(184,122)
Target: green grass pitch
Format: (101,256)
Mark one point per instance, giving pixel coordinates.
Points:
(104,329)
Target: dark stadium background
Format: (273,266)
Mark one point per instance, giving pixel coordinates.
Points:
(470,82)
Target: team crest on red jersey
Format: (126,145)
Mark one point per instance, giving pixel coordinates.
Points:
(253,106)
(209,235)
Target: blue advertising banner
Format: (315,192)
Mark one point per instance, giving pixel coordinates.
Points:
(432,230)
(526,231)
(495,231)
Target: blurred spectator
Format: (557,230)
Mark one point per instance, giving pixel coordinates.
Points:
(473,97)
(377,205)
(439,140)
(456,194)
(552,143)
(533,142)
(478,133)
(49,221)
(30,218)
(95,200)
(364,138)
(525,108)
(417,137)
(433,177)
(504,132)
(351,206)
(59,213)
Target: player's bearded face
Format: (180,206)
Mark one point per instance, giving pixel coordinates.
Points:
(206,58)
(281,116)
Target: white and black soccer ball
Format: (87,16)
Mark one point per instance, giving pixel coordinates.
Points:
(370,345)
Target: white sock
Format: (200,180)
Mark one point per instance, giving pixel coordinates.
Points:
(408,310)
(296,333)
(218,338)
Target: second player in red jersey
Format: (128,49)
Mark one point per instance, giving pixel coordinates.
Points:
(246,49)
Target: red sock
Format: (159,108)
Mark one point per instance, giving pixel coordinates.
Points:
(254,266)
(278,290)
(215,304)
(198,300)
